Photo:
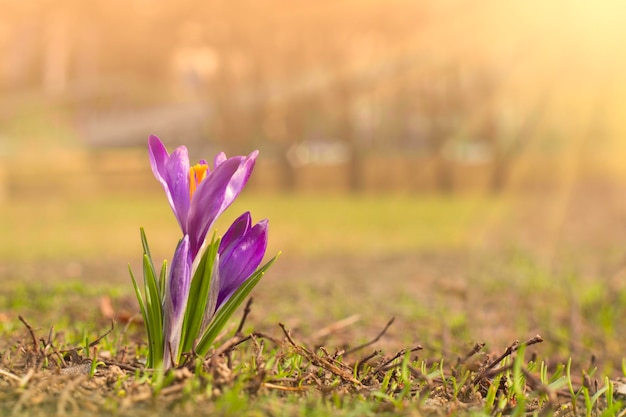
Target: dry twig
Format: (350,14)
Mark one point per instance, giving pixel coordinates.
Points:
(320,361)
(509,350)
(374,340)
(31,331)
(246,311)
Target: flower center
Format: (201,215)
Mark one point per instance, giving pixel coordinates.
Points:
(196,174)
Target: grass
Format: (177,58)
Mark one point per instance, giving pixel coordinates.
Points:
(447,268)
(88,228)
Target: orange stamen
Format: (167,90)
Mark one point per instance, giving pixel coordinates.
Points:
(196,174)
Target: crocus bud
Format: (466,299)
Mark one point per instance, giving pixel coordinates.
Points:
(175,303)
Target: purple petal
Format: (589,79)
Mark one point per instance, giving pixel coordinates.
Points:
(177,293)
(172,171)
(178,184)
(158,153)
(251,161)
(158,159)
(178,287)
(241,260)
(219,158)
(235,232)
(215,194)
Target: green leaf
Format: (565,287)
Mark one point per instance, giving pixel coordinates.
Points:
(142,306)
(228,309)
(198,296)
(153,304)
(146,248)
(154,312)
(163,281)
(144,243)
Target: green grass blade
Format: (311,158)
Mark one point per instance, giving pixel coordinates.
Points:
(227,310)
(142,308)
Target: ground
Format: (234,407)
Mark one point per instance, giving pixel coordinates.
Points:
(452,272)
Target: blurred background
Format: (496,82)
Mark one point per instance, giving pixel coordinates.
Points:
(348,97)
(449,162)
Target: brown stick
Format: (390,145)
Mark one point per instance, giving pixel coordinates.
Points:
(374,340)
(32,333)
(363,361)
(477,348)
(228,345)
(509,350)
(402,352)
(95,342)
(246,311)
(320,361)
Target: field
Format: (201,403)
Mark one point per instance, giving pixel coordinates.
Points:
(444,180)
(453,271)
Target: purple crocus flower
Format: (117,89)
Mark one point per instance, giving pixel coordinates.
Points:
(196,194)
(241,250)
(175,303)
